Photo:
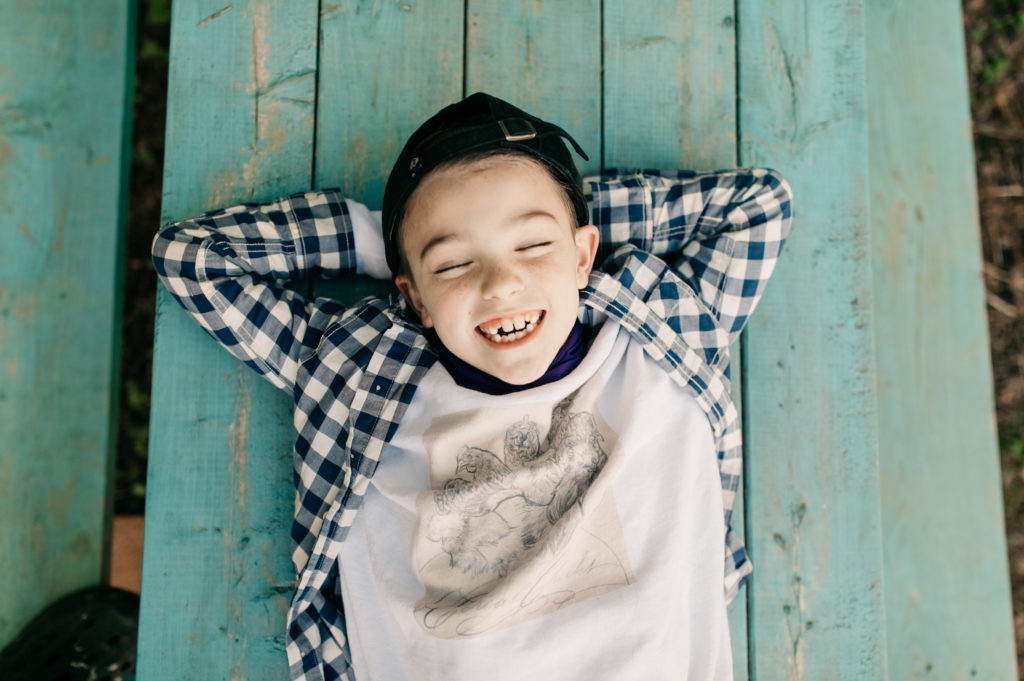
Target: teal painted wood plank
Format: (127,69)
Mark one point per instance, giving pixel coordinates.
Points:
(672,65)
(384,68)
(816,608)
(217,577)
(946,583)
(670,102)
(544,57)
(65,79)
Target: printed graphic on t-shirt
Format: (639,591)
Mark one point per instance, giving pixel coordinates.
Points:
(522,520)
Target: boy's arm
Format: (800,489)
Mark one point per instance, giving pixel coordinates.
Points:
(227,269)
(722,232)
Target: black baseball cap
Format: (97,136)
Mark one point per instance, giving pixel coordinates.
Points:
(478,123)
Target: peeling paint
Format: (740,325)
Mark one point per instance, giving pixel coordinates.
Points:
(214,16)
(25,307)
(38,539)
(797,624)
(260,33)
(647,42)
(60,219)
(237,433)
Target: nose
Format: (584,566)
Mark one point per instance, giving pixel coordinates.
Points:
(500,280)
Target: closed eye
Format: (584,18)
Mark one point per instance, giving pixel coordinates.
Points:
(539,244)
(450,268)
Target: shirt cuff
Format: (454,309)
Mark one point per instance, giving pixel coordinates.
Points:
(370,258)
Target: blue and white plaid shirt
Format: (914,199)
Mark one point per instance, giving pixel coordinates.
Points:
(686,257)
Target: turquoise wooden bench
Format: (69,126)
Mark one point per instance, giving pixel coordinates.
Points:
(65,110)
(872,505)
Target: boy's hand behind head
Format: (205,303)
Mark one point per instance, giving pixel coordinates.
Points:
(493,262)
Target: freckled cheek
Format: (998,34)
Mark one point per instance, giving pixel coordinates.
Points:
(452,300)
(554,276)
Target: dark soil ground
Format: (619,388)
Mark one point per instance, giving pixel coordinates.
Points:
(995,57)
(150,105)
(994,30)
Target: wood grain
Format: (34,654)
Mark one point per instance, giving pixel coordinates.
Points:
(217,578)
(65,79)
(946,583)
(549,66)
(863,313)
(384,67)
(816,600)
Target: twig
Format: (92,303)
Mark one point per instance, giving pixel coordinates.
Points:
(997,273)
(998,132)
(1010,191)
(1000,305)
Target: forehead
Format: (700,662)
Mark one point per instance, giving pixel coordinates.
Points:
(481,194)
(512,169)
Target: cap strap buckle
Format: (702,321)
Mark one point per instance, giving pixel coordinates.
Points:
(522,129)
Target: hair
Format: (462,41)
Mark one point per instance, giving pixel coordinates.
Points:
(479,156)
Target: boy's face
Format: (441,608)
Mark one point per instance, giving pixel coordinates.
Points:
(495,264)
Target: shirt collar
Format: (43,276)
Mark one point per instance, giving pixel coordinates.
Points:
(468,376)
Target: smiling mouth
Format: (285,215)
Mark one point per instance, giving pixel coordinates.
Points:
(510,329)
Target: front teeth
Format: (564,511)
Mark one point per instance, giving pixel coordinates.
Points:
(512,328)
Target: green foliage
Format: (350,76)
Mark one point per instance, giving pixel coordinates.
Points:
(137,399)
(1005,24)
(995,69)
(153,51)
(1013,443)
(158,12)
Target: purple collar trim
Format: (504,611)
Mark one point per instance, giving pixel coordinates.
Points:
(567,359)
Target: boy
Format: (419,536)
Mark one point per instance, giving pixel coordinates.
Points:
(519,467)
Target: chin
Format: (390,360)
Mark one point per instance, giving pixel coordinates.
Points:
(517,376)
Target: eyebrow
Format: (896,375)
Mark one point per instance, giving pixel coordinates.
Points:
(529,215)
(517,220)
(436,241)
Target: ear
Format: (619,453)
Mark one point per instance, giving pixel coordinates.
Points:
(587,238)
(408,289)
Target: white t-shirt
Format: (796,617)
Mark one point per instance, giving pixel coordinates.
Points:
(567,532)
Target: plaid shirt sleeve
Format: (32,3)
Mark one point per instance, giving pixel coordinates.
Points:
(228,268)
(722,232)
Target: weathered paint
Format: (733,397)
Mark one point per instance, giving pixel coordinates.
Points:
(946,583)
(64,113)
(816,599)
(220,487)
(550,65)
(217,567)
(673,64)
(384,65)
